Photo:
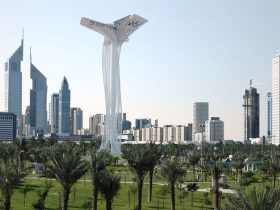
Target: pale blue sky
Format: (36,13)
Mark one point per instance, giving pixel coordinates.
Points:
(190,50)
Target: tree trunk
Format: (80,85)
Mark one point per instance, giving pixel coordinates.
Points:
(172,194)
(139,188)
(274,180)
(151,172)
(94,194)
(216,192)
(66,193)
(193,170)
(108,204)
(6,202)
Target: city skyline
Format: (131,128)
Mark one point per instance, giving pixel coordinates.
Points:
(225,45)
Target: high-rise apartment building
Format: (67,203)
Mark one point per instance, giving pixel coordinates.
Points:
(64,108)
(13,85)
(269,114)
(96,124)
(214,129)
(200,115)
(169,134)
(38,101)
(276,99)
(251,113)
(77,121)
(8,126)
(54,113)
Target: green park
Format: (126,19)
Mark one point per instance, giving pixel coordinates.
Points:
(49,175)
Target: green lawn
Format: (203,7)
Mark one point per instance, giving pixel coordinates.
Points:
(83,193)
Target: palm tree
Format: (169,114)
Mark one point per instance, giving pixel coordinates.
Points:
(109,186)
(171,171)
(238,164)
(274,167)
(67,166)
(155,154)
(216,170)
(193,158)
(259,199)
(10,178)
(138,158)
(98,162)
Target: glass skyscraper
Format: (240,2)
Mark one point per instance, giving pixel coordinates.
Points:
(64,108)
(38,100)
(13,84)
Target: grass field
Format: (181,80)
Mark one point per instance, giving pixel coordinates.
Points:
(83,193)
(122,201)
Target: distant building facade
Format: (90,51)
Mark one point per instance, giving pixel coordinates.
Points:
(251,113)
(8,126)
(64,108)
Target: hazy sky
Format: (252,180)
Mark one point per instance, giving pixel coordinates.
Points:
(190,50)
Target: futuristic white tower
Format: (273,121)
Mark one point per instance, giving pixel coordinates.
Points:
(114,36)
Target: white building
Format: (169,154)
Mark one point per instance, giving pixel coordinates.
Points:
(275,99)
(147,134)
(77,121)
(137,133)
(157,134)
(169,134)
(214,129)
(181,133)
(200,115)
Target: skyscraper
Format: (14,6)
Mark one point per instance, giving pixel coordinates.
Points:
(214,129)
(251,113)
(72,120)
(269,114)
(13,85)
(38,100)
(54,115)
(77,121)
(275,99)
(200,115)
(64,108)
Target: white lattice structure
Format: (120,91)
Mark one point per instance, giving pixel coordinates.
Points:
(114,36)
